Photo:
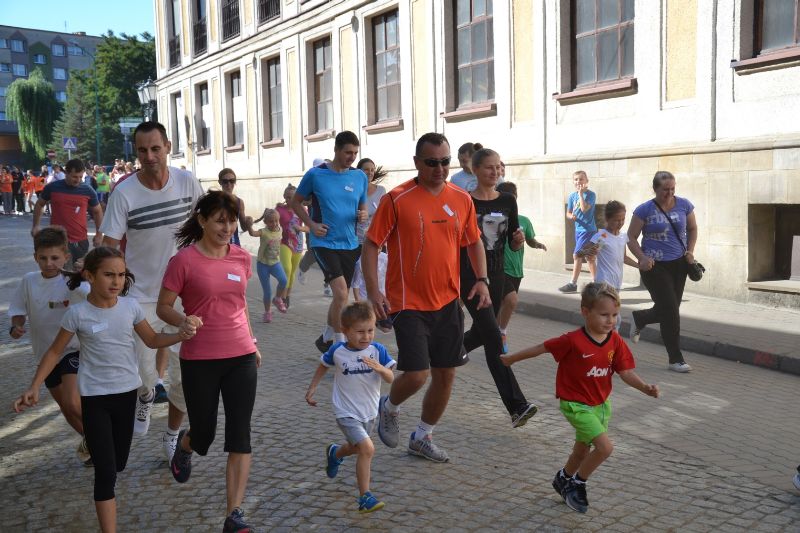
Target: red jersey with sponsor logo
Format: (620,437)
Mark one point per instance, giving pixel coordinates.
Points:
(585,367)
(70,206)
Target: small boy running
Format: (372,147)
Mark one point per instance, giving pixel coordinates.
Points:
(360,365)
(587,358)
(42,298)
(580,209)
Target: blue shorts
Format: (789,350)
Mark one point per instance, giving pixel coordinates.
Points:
(68,365)
(581,239)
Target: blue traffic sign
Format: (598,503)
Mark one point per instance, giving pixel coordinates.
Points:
(70,143)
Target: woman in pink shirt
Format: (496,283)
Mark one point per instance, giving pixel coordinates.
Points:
(211,277)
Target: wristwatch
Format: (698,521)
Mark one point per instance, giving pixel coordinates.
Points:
(485,280)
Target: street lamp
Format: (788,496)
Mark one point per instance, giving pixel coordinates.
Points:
(96,101)
(147,97)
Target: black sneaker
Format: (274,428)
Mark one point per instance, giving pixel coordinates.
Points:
(235,523)
(181,464)
(321,345)
(559,482)
(161,394)
(521,418)
(574,495)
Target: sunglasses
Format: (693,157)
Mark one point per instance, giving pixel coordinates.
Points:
(433,163)
(227,182)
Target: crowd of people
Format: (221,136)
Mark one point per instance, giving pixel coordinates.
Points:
(166,272)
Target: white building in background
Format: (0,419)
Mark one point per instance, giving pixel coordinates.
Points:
(707,89)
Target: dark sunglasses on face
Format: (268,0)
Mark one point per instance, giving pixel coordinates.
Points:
(433,163)
(226,182)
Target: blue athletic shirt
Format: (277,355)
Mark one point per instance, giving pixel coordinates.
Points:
(583,221)
(335,198)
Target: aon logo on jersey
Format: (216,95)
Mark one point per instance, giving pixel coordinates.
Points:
(597,372)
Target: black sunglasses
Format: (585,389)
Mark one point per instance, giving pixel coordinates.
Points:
(226,182)
(433,163)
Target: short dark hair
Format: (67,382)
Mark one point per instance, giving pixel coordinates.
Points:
(436,139)
(469,148)
(51,237)
(612,208)
(345,138)
(507,186)
(224,172)
(660,177)
(92,262)
(147,127)
(208,204)
(74,165)
(357,312)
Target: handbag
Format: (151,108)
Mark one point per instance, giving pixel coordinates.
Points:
(695,269)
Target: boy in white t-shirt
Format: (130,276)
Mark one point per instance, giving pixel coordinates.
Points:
(361,365)
(42,298)
(608,246)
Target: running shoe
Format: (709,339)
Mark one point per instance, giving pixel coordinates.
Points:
(427,449)
(286,301)
(141,422)
(327,291)
(332,467)
(169,443)
(388,424)
(323,346)
(161,394)
(181,463)
(235,523)
(278,302)
(267,318)
(521,418)
(569,287)
(368,503)
(574,495)
(796,479)
(83,453)
(636,331)
(301,277)
(680,367)
(559,482)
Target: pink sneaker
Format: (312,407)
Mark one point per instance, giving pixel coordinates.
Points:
(267,317)
(278,302)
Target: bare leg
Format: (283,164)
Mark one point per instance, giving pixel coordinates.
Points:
(162,361)
(365,450)
(438,394)
(69,400)
(602,451)
(407,384)
(576,271)
(107,515)
(592,267)
(174,418)
(507,309)
(339,288)
(579,453)
(236,474)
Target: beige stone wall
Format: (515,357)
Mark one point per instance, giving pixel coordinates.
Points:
(218,124)
(252,110)
(347,65)
(162,42)
(423,77)
(681,49)
(522,17)
(293,86)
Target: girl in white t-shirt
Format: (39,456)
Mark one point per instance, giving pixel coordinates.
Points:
(108,375)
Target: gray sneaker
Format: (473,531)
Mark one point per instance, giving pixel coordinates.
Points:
(569,287)
(427,449)
(388,425)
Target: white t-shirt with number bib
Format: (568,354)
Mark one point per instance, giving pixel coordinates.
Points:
(610,257)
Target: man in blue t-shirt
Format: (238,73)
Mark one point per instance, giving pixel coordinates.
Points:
(338,195)
(580,209)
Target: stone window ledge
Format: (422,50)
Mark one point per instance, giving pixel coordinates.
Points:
(235,148)
(769,61)
(178,155)
(384,126)
(780,285)
(272,143)
(321,136)
(488,109)
(204,151)
(614,89)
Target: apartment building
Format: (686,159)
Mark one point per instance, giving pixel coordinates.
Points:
(709,90)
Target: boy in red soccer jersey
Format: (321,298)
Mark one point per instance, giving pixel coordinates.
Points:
(587,358)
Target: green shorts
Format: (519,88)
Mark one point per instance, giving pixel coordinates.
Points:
(588,421)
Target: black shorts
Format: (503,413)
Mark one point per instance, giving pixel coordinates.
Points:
(430,339)
(511,285)
(68,365)
(335,263)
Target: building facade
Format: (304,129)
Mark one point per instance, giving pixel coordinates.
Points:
(619,88)
(55,53)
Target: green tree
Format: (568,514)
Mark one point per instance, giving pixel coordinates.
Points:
(32,104)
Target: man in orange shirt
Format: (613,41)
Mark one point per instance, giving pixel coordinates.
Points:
(424,222)
(7,190)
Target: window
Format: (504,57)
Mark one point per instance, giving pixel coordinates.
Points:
(59,73)
(2,115)
(200,31)
(776,25)
(203,127)
(61,96)
(3,43)
(237,109)
(386,47)
(474,51)
(268,10)
(40,59)
(323,85)
(74,50)
(273,128)
(175,34)
(230,19)
(17,45)
(19,70)
(5,67)
(3,91)
(602,48)
(59,50)
(177,124)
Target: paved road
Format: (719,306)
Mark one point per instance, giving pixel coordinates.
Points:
(716,453)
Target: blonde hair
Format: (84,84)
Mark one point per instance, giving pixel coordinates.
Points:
(268,212)
(595,290)
(580,173)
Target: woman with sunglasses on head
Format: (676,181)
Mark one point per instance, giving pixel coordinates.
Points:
(227,181)
(498,222)
(374,193)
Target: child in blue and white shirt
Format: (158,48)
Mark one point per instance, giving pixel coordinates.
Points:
(361,365)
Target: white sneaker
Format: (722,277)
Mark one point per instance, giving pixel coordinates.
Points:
(327,291)
(141,422)
(796,480)
(170,442)
(680,367)
(301,277)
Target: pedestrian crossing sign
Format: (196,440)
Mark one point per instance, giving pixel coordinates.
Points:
(70,143)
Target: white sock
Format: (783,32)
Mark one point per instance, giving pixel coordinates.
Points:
(423,430)
(390,407)
(172,434)
(160,382)
(147,398)
(340,337)
(503,330)
(327,334)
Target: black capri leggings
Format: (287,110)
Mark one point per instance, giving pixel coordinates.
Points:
(108,428)
(203,381)
(665,283)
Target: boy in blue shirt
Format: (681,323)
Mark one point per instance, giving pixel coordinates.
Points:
(361,365)
(580,209)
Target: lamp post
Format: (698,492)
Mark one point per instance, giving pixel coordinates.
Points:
(147,96)
(96,101)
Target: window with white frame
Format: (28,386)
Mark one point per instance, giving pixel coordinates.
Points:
(59,50)
(61,96)
(474,51)
(17,45)
(237,108)
(386,82)
(323,84)
(40,59)
(204,119)
(59,73)
(74,50)
(19,70)
(176,124)
(273,106)
(602,42)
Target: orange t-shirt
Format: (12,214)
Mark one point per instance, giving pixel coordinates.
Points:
(423,235)
(39,183)
(5,183)
(28,184)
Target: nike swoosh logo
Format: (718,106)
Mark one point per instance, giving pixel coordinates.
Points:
(585,356)
(175,470)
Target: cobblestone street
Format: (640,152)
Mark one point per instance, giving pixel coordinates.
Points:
(715,453)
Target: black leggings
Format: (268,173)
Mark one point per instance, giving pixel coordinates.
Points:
(307,261)
(108,428)
(485,332)
(203,381)
(665,282)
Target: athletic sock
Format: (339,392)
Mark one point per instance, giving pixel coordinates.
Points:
(503,330)
(147,398)
(390,407)
(578,479)
(172,434)
(160,382)
(423,430)
(327,334)
(563,474)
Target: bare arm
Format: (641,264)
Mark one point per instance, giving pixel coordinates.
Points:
(37,215)
(634,230)
(630,261)
(97,216)
(385,373)
(527,353)
(312,387)
(477,258)
(632,378)
(369,269)
(691,236)
(159,340)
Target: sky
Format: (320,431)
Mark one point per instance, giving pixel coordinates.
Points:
(94,17)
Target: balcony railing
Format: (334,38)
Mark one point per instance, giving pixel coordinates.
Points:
(230,19)
(175,51)
(268,10)
(200,37)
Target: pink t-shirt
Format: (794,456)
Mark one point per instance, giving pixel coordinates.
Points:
(214,290)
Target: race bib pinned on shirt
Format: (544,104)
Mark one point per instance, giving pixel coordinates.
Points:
(447,209)
(97,328)
(234,277)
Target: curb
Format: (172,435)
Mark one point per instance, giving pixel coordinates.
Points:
(738,354)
